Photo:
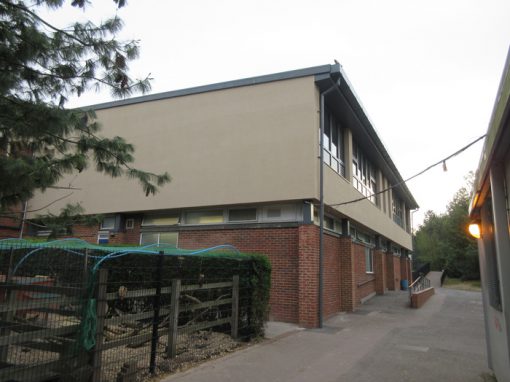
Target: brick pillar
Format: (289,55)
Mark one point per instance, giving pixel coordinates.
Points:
(410,270)
(396,273)
(380,271)
(404,268)
(347,275)
(308,263)
(390,271)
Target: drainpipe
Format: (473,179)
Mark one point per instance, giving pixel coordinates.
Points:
(321,197)
(22,226)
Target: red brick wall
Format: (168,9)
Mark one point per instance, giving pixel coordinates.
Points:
(410,270)
(380,271)
(365,282)
(404,269)
(420,298)
(89,234)
(279,244)
(390,271)
(393,271)
(9,228)
(347,275)
(294,255)
(308,285)
(332,288)
(396,275)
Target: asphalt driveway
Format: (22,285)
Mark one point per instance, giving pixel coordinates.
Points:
(382,341)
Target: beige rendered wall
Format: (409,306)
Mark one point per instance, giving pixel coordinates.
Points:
(338,190)
(243,145)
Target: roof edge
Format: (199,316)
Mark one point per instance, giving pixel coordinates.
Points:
(305,72)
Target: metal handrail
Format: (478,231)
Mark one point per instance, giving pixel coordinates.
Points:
(419,284)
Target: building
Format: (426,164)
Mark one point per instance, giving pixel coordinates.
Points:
(489,212)
(244,157)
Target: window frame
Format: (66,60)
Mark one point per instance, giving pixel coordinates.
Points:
(364,174)
(159,237)
(228,220)
(112,227)
(333,128)
(220,212)
(369,260)
(103,233)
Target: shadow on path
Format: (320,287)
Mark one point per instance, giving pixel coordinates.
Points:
(384,340)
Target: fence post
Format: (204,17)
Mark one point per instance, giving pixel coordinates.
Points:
(101,309)
(155,318)
(235,306)
(10,298)
(85,267)
(174,319)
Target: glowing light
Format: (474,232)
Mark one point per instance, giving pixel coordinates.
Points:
(474,230)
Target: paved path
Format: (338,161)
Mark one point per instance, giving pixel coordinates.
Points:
(435,278)
(383,341)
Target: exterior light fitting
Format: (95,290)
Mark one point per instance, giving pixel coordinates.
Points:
(474,230)
(444,166)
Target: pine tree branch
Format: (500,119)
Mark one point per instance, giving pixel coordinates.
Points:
(40,19)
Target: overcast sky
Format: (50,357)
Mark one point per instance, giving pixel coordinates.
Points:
(426,72)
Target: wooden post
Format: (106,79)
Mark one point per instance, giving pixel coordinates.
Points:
(85,268)
(10,299)
(235,306)
(155,317)
(174,319)
(101,309)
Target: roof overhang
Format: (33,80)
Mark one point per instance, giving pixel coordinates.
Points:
(347,105)
(496,143)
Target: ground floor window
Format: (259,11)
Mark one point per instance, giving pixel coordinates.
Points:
(159,238)
(369,260)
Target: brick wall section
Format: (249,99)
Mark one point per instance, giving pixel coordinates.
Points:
(294,255)
(279,244)
(380,271)
(332,287)
(393,271)
(410,270)
(365,282)
(347,275)
(421,297)
(308,286)
(396,274)
(390,282)
(404,269)
(9,228)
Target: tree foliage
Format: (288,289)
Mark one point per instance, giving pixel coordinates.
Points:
(443,240)
(41,66)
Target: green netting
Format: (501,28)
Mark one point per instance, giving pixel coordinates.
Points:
(225,250)
(99,256)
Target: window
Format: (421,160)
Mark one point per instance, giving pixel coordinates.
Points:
(286,212)
(103,237)
(130,223)
(204,217)
(363,174)
(108,223)
(398,213)
(490,254)
(242,215)
(369,260)
(329,222)
(333,143)
(150,220)
(159,238)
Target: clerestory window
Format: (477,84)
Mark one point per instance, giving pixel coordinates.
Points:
(333,143)
(363,174)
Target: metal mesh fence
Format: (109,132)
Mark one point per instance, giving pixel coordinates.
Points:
(80,312)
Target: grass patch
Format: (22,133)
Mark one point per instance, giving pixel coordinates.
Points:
(453,283)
